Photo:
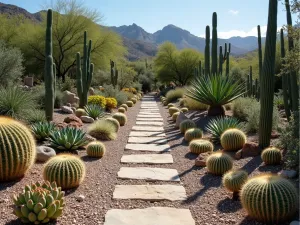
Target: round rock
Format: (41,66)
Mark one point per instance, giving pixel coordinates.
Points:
(43,153)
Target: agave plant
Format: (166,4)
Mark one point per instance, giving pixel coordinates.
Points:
(215,91)
(68,139)
(42,130)
(218,125)
(94,111)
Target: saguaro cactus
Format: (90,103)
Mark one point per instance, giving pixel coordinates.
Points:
(214,46)
(49,73)
(267,78)
(259,52)
(207,49)
(250,82)
(200,68)
(221,61)
(227,58)
(84,75)
(114,73)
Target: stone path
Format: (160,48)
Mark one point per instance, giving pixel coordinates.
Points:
(148,136)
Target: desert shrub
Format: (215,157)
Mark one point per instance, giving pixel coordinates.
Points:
(192,104)
(111,103)
(103,130)
(14,102)
(175,94)
(11,68)
(97,100)
(248,109)
(110,91)
(39,95)
(121,97)
(164,90)
(34,116)
(68,85)
(100,77)
(278,100)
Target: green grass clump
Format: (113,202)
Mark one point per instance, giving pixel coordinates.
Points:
(175,94)
(103,130)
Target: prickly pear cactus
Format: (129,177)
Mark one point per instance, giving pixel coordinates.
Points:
(39,203)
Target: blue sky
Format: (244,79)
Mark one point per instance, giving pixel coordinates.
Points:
(235,17)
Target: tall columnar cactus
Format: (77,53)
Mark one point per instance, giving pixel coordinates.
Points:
(39,203)
(285,85)
(256,89)
(207,51)
(17,149)
(250,82)
(259,54)
(84,75)
(49,76)
(221,60)
(214,46)
(269,198)
(66,170)
(227,59)
(114,73)
(200,68)
(268,77)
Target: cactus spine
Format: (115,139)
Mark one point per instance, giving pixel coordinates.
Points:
(95,149)
(207,51)
(49,70)
(271,156)
(17,149)
(219,163)
(199,146)
(267,78)
(186,124)
(193,133)
(114,122)
(84,75)
(214,47)
(269,198)
(114,73)
(233,180)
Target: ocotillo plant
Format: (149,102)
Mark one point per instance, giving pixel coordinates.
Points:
(84,75)
(49,73)
(267,78)
(207,51)
(113,73)
(214,46)
(284,77)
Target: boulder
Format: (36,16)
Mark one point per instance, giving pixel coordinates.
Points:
(251,149)
(43,153)
(70,97)
(295,222)
(91,91)
(73,121)
(238,154)
(288,173)
(66,109)
(275,135)
(87,119)
(201,159)
(181,117)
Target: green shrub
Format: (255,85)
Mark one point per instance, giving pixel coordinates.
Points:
(175,94)
(68,85)
(94,111)
(35,116)
(97,100)
(39,95)
(192,104)
(42,130)
(103,130)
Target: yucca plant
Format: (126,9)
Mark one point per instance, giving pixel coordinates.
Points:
(42,130)
(215,91)
(218,125)
(94,111)
(68,139)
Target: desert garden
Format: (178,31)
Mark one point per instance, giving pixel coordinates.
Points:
(150,144)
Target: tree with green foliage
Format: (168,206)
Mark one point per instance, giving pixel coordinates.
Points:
(173,65)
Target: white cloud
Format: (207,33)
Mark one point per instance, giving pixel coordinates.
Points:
(233,12)
(242,33)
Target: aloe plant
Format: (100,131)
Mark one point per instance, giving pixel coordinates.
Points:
(94,111)
(42,130)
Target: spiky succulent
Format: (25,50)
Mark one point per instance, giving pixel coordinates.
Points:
(233,180)
(94,111)
(199,146)
(103,130)
(269,198)
(218,125)
(42,130)
(219,163)
(193,133)
(39,203)
(186,124)
(271,156)
(68,139)
(121,117)
(173,110)
(233,139)
(95,149)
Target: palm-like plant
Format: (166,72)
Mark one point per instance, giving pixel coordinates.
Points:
(42,130)
(94,111)
(215,91)
(68,139)
(218,125)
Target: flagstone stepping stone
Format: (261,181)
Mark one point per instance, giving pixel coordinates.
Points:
(148,140)
(146,134)
(149,216)
(139,116)
(148,174)
(150,110)
(147,128)
(149,123)
(148,147)
(150,192)
(149,119)
(150,113)
(148,158)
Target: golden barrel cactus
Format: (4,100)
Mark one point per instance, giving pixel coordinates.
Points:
(193,133)
(95,149)
(121,117)
(199,146)
(219,163)
(233,139)
(186,124)
(233,180)
(271,156)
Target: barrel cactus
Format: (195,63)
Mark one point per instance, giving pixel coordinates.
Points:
(121,110)
(175,115)
(186,124)
(173,110)
(114,122)
(124,106)
(17,149)
(269,198)
(95,149)
(66,170)
(129,103)
(193,133)
(165,103)
(184,109)
(39,203)
(271,156)
(134,100)
(199,146)
(233,139)
(219,163)
(170,105)
(233,180)
(80,112)
(121,117)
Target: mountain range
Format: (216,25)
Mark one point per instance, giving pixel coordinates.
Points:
(141,44)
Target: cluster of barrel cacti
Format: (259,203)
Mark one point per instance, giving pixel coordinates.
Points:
(252,86)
